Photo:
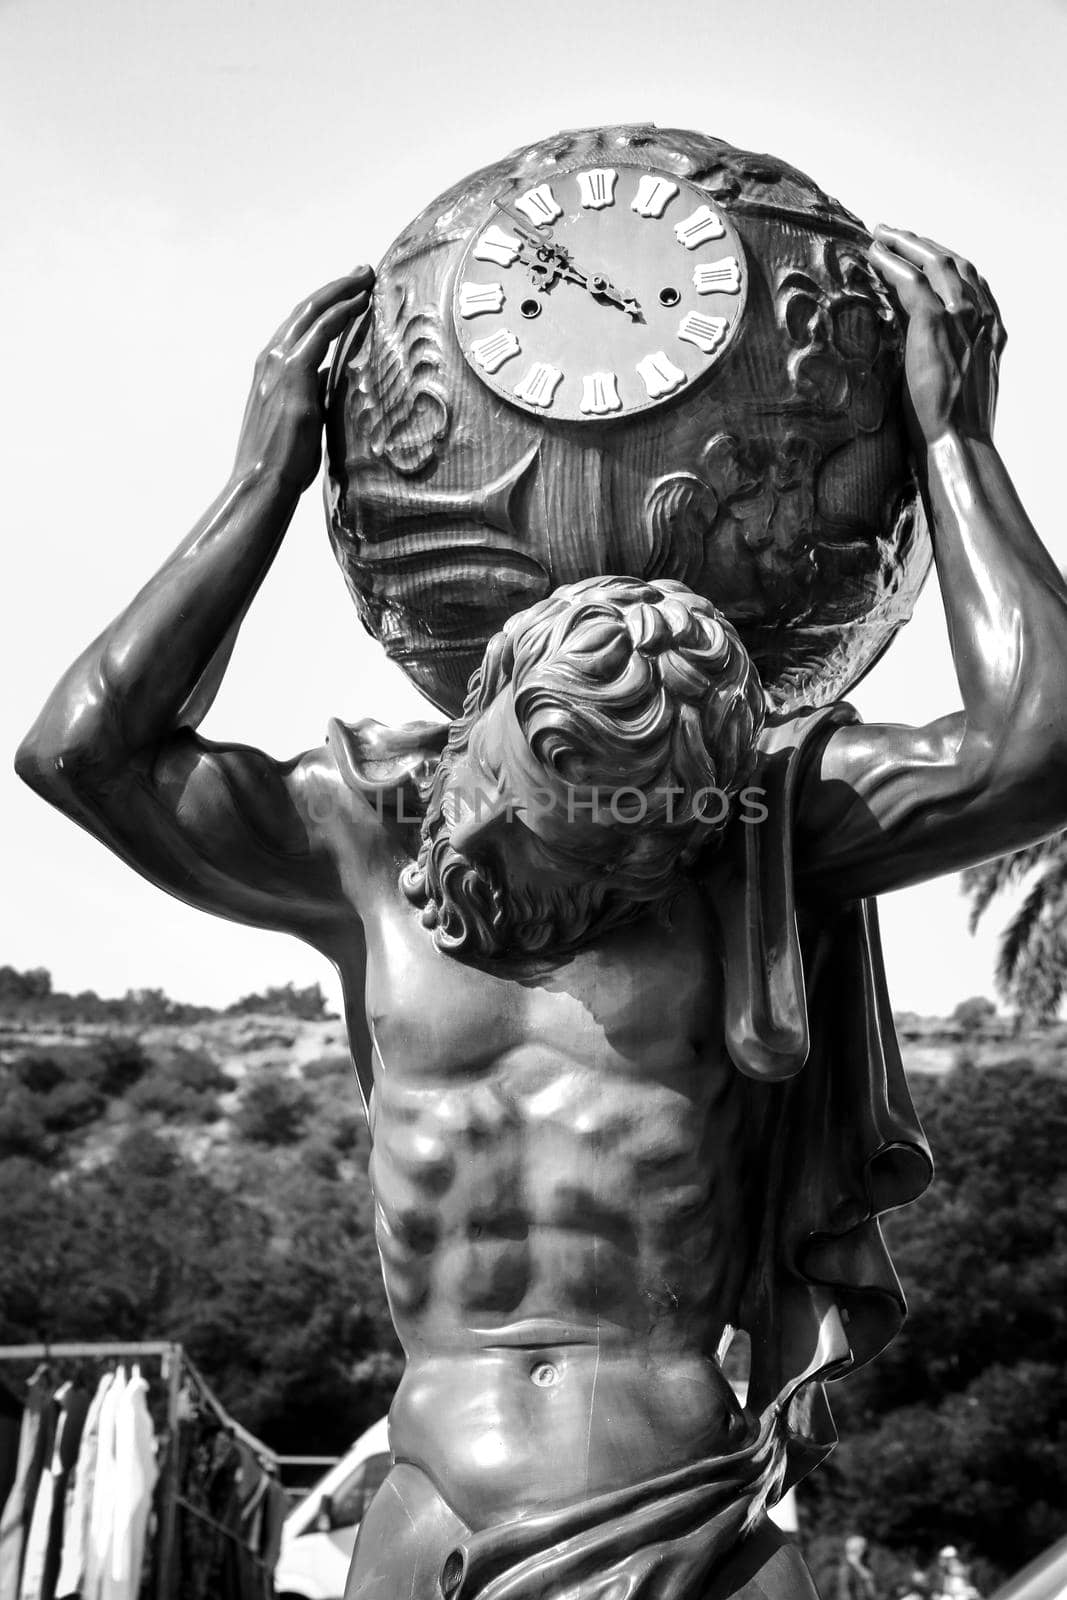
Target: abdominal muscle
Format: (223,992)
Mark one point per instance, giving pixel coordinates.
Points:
(562,1253)
(507,1431)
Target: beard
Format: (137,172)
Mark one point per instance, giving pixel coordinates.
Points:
(472,912)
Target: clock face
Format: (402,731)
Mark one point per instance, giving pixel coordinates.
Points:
(599,293)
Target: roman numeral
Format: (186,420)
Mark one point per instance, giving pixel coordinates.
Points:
(477,298)
(597,188)
(540,205)
(497,246)
(600,394)
(660,375)
(718,277)
(653,196)
(705,332)
(492,351)
(539,385)
(704,224)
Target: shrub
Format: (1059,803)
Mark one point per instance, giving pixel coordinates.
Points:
(272,1111)
(195,1069)
(39,1070)
(170,1098)
(121,1062)
(22,1129)
(347,1129)
(72,1104)
(332,1066)
(320,1159)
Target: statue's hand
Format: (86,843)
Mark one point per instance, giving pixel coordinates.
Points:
(282,428)
(955,336)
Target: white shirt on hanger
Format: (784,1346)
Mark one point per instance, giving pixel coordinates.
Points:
(135,1478)
(101,1518)
(72,1566)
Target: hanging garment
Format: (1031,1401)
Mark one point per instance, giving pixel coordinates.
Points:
(68,1448)
(10,1430)
(33,1557)
(254,1486)
(135,1478)
(223,1497)
(209,1523)
(275,1511)
(40,1566)
(101,1519)
(35,1444)
(79,1500)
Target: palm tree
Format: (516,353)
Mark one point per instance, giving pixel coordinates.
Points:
(1031,971)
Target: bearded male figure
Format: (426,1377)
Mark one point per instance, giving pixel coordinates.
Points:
(634,1082)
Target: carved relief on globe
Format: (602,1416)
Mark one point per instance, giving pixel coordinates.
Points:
(628,350)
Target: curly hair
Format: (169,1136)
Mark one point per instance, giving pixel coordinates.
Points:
(619,686)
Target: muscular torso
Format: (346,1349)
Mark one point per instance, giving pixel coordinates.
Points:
(558,1168)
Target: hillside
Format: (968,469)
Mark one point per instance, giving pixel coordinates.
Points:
(171,1172)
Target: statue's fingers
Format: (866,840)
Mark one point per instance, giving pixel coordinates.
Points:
(906,281)
(991,312)
(938,266)
(988,311)
(304,315)
(951,287)
(912,246)
(970,275)
(312,348)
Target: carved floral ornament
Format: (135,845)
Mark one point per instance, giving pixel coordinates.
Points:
(402,408)
(847,337)
(751,498)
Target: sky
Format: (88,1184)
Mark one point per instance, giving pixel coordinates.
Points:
(177,173)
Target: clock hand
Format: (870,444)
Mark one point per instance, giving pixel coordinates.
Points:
(595,284)
(553,261)
(603,289)
(548,258)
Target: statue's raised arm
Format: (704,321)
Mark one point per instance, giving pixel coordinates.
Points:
(222,826)
(888,806)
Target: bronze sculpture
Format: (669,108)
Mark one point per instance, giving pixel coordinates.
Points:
(634,1077)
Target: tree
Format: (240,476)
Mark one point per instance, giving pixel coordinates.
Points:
(285,1001)
(957,1432)
(1031,970)
(16,987)
(973,1014)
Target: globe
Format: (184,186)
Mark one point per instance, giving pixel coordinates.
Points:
(777,484)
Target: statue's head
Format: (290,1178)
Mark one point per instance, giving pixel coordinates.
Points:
(602,744)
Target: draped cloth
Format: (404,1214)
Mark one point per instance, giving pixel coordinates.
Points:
(833,1142)
(657,1540)
(835,1136)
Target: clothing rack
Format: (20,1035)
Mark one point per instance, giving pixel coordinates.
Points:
(175,1365)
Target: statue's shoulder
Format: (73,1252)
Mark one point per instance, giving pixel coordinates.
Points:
(372,759)
(789,752)
(790,734)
